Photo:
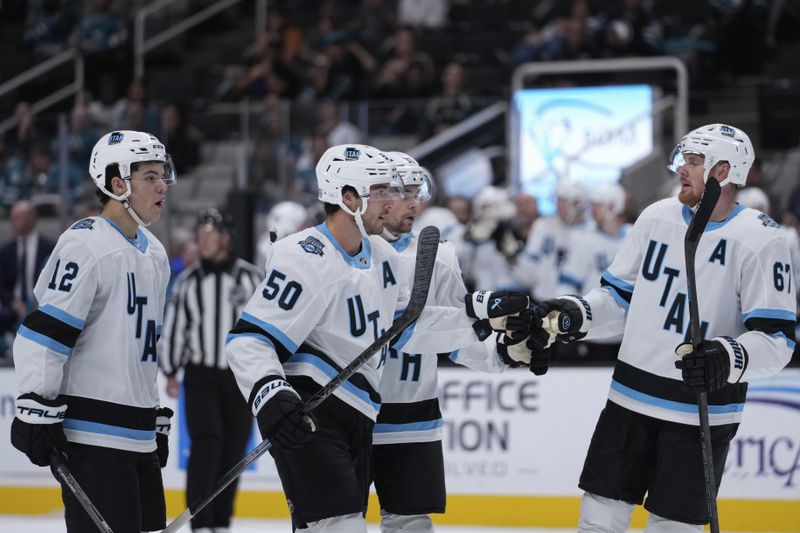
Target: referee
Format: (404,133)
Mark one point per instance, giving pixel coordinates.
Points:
(206,302)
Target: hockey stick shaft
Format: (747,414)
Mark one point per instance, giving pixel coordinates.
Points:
(692,239)
(69,480)
(423,271)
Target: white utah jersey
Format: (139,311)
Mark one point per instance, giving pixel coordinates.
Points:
(409,387)
(93,338)
(590,253)
(746,300)
(319,308)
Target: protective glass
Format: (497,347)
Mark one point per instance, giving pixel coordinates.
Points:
(677,158)
(386,191)
(420,186)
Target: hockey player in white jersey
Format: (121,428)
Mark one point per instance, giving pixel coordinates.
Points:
(647,440)
(407,461)
(86,360)
(329,292)
(538,266)
(589,254)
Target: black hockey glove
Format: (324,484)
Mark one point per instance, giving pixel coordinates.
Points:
(279,411)
(568,317)
(511,345)
(37,429)
(163,426)
(705,369)
(492,308)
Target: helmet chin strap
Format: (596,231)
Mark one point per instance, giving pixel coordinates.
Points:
(388,235)
(357,215)
(129,208)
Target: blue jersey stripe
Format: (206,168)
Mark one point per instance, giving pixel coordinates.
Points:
(671,405)
(411,426)
(106,429)
(782,314)
(45,341)
(332,372)
(63,316)
(288,343)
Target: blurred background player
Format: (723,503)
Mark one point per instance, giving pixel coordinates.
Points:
(589,254)
(207,300)
(539,265)
(86,359)
(283,219)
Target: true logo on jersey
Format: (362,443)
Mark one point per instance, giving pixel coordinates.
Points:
(115,138)
(351,154)
(86,223)
(727,130)
(312,245)
(767,221)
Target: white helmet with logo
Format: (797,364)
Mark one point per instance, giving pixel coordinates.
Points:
(717,142)
(412,173)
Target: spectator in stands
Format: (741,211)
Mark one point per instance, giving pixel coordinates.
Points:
(21,261)
(635,31)
(144,114)
(24,134)
(304,188)
(349,66)
(81,136)
(337,129)
(454,104)
(48,27)
(393,76)
(106,105)
(374,22)
(12,176)
(101,36)
(181,139)
(423,14)
(43,177)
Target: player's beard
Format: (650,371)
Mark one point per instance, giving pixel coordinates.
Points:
(689,197)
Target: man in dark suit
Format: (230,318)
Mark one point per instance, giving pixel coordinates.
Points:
(21,261)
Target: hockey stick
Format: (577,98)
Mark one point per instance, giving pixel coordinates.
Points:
(691,240)
(423,271)
(69,480)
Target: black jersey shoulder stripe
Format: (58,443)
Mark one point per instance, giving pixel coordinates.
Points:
(245,327)
(52,328)
(771,326)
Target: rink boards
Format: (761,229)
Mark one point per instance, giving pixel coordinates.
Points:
(514,446)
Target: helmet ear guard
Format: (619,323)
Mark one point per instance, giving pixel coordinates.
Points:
(717,143)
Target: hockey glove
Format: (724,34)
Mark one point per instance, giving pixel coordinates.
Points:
(492,308)
(568,317)
(163,425)
(279,411)
(705,369)
(511,345)
(37,429)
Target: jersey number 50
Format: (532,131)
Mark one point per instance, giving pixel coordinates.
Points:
(287,296)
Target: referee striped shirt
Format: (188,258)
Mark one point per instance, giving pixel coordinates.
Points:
(206,303)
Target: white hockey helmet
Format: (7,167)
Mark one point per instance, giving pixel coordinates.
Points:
(412,173)
(569,189)
(755,198)
(124,148)
(611,195)
(286,218)
(358,166)
(717,142)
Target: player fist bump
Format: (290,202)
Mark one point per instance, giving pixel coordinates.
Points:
(279,412)
(491,309)
(37,430)
(567,317)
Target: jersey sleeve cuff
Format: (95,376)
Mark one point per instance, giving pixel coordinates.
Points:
(737,356)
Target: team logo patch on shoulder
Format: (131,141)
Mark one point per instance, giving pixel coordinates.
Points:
(767,221)
(727,130)
(115,138)
(312,245)
(351,154)
(86,223)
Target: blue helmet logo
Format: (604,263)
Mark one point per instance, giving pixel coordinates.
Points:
(115,138)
